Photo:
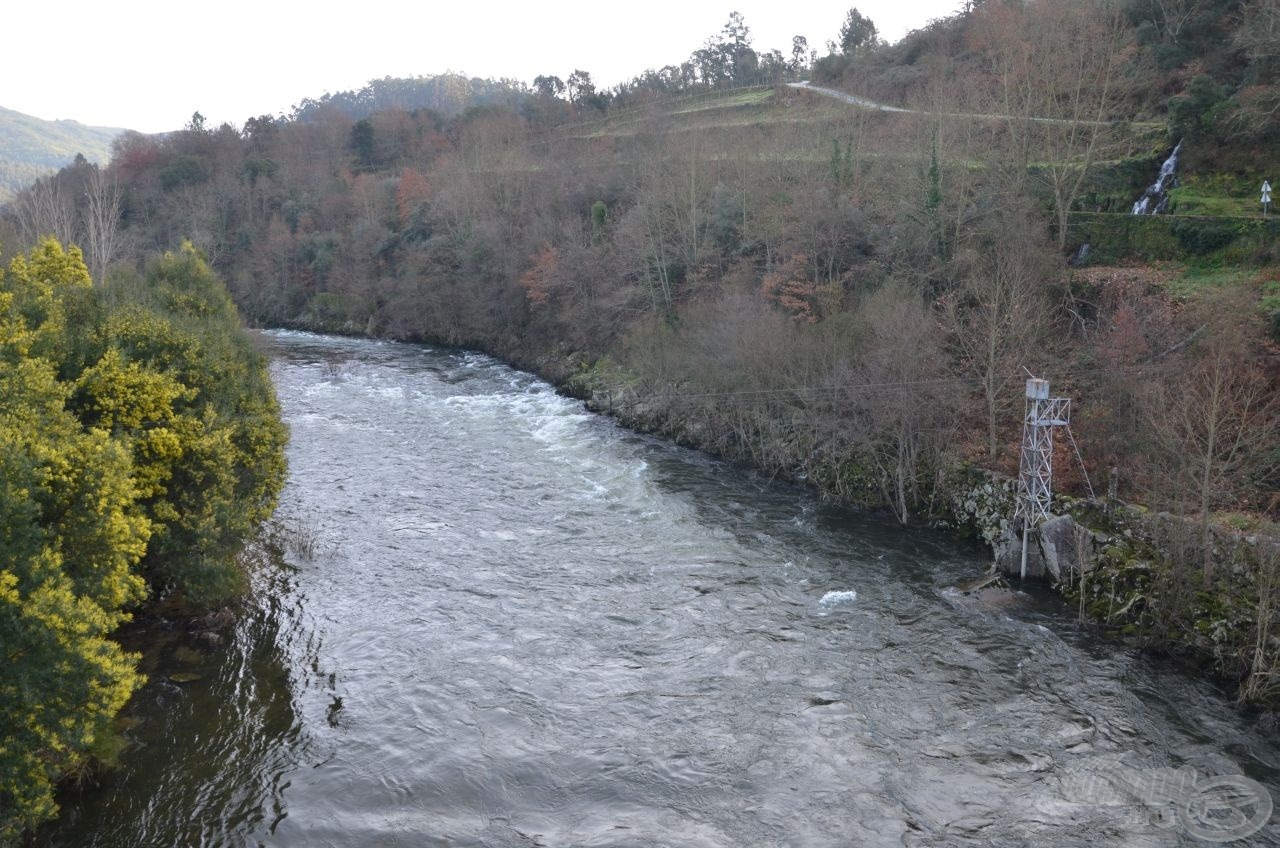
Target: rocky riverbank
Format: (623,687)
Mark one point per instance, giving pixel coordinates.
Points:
(1134,573)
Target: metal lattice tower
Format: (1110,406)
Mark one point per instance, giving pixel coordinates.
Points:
(1035,471)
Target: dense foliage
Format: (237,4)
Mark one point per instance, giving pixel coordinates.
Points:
(141,444)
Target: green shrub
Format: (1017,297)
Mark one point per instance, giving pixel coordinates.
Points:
(1200,237)
(139,438)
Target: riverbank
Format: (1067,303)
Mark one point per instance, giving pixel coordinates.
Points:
(1133,574)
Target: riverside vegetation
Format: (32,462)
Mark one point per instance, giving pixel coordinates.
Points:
(141,445)
(842,295)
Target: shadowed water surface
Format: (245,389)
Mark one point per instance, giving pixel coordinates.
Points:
(526,626)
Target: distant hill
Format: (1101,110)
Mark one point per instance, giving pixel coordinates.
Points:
(31,147)
(448,94)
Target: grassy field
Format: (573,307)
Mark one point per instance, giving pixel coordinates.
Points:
(751,97)
(1193,280)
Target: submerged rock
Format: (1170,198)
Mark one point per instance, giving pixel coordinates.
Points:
(190,656)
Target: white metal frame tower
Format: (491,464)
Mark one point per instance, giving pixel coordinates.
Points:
(1035,467)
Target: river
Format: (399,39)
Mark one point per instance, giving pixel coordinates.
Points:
(522,625)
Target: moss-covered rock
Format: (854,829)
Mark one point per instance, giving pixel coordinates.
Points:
(981,504)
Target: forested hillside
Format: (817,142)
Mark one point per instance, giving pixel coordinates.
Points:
(1208,69)
(844,295)
(636,234)
(31,148)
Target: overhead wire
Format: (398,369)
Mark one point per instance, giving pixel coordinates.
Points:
(900,384)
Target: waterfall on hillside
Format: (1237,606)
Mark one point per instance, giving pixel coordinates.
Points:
(1156,198)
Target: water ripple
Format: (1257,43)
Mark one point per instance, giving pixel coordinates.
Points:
(530,627)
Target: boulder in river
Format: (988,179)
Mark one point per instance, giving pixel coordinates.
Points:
(1058,548)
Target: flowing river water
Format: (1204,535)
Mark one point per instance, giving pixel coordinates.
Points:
(522,625)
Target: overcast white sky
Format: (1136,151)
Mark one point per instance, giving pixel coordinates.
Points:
(147,65)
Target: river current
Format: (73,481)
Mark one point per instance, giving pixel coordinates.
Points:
(519,624)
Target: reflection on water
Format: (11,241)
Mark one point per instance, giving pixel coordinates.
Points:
(527,626)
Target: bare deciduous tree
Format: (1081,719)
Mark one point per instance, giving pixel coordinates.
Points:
(102,221)
(1256,109)
(1172,16)
(1264,667)
(1258,34)
(999,313)
(1217,422)
(909,403)
(43,209)
(1060,71)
